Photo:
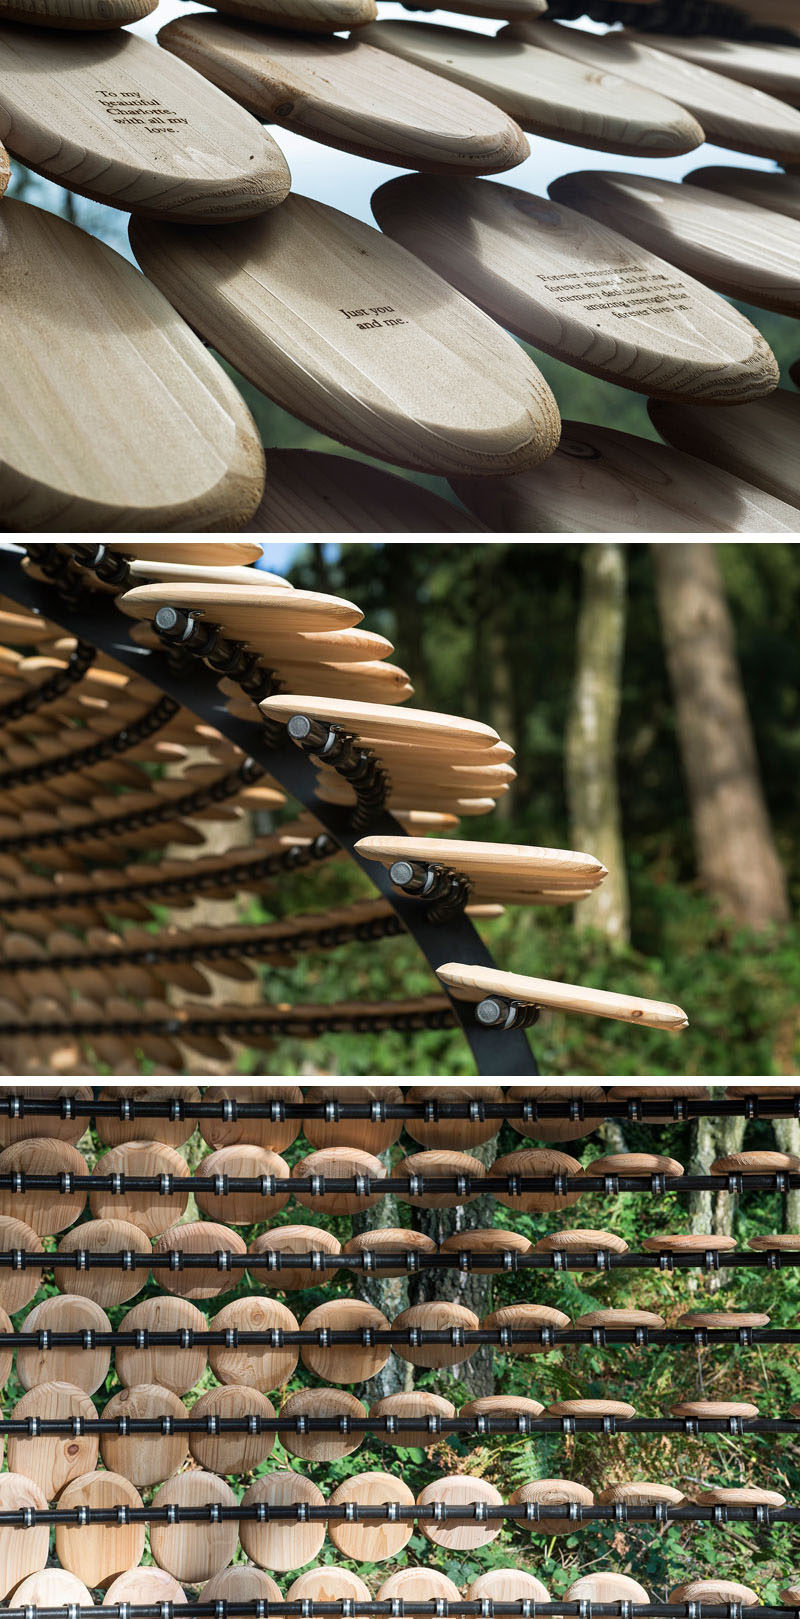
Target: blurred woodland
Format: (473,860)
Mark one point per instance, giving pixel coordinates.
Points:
(652,694)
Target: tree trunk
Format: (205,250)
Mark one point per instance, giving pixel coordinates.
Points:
(787,1137)
(713,1212)
(475,1292)
(591,743)
(389,1294)
(736,856)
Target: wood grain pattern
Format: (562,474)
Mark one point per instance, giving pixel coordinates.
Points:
(416,1403)
(578,290)
(242,1583)
(724,1318)
(328,1584)
(734,247)
(688,1242)
(76,14)
(232,1453)
(52,1460)
(297,1239)
(713,1591)
(473,983)
(761,1162)
(495,1240)
(106,1287)
(731,115)
(393,1239)
(558,1129)
(437,1162)
(779,192)
(18,1287)
(277,1134)
(193,1552)
(30,1125)
(112,117)
(418,1585)
(322,1447)
(198,1236)
(507,1585)
(369,1135)
(175,1132)
(242,1208)
(537,1161)
(440,1315)
(740,1497)
(299,301)
(603,1587)
(246,612)
(602,481)
(524,1317)
(714,1408)
(282,1545)
(5,169)
(45,1212)
(522,866)
(620,1318)
(86,1369)
(151,1212)
(311,493)
(591,1408)
(790,1240)
(344,1363)
(435,1132)
(146,1586)
(304,16)
(554,1492)
(559,99)
(775,69)
(371,1542)
(99,1553)
(460,1492)
(502,1405)
(138,429)
(145,1459)
(351,96)
(21,1554)
(640,1494)
(53,1588)
(254,1366)
(372,722)
(756,441)
(177,1370)
(633,1163)
(339,1163)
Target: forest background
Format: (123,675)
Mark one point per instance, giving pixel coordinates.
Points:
(652,694)
(652,1379)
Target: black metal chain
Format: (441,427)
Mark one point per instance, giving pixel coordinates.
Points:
(392,1426)
(528,1513)
(122,741)
(57,685)
(402,1608)
(248,872)
(514,1106)
(362,1185)
(332,745)
(120,826)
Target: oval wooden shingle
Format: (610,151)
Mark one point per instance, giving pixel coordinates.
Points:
(775,69)
(77,14)
(601,481)
(473,983)
(357,337)
(560,99)
(578,290)
(756,441)
(736,248)
(111,116)
(139,428)
(347,94)
(308,492)
(731,114)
